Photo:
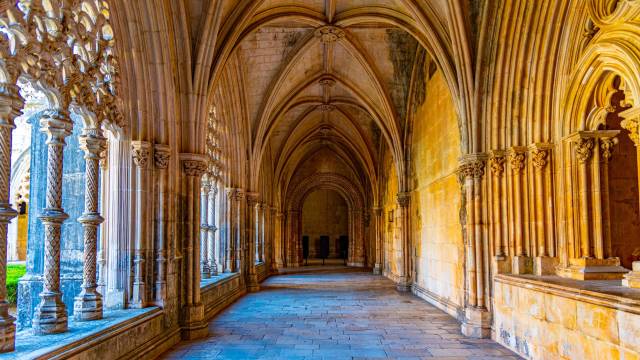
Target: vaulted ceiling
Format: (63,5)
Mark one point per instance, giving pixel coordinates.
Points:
(322,81)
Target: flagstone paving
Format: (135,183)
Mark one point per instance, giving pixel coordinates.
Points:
(353,315)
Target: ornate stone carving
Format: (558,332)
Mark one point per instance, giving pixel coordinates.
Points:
(326,107)
(161,155)
(193,164)
(88,304)
(496,162)
(327,81)
(329,34)
(539,158)
(404,198)
(606,147)
(51,315)
(517,158)
(140,151)
(472,169)
(584,149)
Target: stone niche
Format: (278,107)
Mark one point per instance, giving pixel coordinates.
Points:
(71,247)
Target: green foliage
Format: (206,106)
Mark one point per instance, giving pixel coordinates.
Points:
(14,273)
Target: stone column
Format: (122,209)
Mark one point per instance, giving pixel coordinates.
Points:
(88,304)
(50,315)
(476,322)
(252,238)
(377,233)
(205,271)
(279,236)
(10,105)
(211,235)
(404,281)
(260,233)
(543,263)
(141,152)
(231,230)
(521,263)
(161,156)
(501,264)
(241,235)
(194,324)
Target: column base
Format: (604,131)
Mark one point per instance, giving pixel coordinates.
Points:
(593,269)
(7,329)
(632,279)
(252,283)
(194,326)
(521,265)
(161,291)
(50,316)
(544,265)
(403,285)
(501,265)
(476,323)
(205,271)
(139,300)
(377,269)
(87,306)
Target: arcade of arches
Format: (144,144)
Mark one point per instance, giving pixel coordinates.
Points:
(159,159)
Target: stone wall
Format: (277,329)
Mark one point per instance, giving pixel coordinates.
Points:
(436,200)
(324,213)
(539,321)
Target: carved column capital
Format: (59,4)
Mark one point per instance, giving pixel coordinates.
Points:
(57,125)
(517,159)
(252,198)
(403,198)
(472,166)
(193,164)
(141,151)
(94,145)
(496,162)
(377,211)
(10,104)
(584,148)
(161,155)
(540,155)
(606,147)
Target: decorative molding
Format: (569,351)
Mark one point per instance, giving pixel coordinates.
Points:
(161,155)
(517,159)
(496,162)
(141,151)
(584,148)
(540,155)
(329,34)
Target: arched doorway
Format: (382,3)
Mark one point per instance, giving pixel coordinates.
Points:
(325,215)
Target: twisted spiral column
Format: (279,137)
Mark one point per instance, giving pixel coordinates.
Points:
(50,315)
(10,104)
(88,304)
(205,270)
(211,235)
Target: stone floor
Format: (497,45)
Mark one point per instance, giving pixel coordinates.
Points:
(352,315)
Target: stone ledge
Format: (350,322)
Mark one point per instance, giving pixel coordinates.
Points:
(217,280)
(81,336)
(438,301)
(606,293)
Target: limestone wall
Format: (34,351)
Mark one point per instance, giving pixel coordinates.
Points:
(436,200)
(555,323)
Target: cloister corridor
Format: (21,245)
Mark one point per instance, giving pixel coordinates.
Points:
(342,314)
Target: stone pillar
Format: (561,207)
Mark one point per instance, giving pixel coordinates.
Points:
(193,323)
(241,235)
(544,263)
(231,230)
(252,239)
(51,314)
(279,240)
(260,233)
(205,271)
(404,281)
(10,105)
(522,262)
(476,322)
(161,156)
(211,234)
(501,262)
(377,233)
(88,304)
(141,153)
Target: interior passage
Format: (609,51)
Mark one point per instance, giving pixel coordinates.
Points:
(338,315)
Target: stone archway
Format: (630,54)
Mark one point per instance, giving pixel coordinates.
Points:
(355,199)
